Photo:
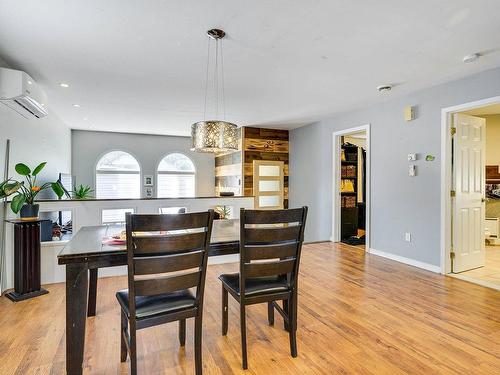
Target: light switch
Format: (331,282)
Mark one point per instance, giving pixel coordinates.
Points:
(412,157)
(409,113)
(412,171)
(408,237)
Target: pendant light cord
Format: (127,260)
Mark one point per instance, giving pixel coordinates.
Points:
(206,81)
(216,78)
(222,81)
(218,90)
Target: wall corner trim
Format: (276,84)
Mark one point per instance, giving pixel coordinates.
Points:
(408,261)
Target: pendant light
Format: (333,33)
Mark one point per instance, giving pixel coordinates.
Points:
(214,135)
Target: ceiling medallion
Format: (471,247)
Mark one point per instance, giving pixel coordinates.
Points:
(215,135)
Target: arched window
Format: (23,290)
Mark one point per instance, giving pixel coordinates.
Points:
(176,177)
(118,175)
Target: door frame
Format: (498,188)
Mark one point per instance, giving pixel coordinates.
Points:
(446,183)
(336,212)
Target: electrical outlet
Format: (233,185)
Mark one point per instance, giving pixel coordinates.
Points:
(408,237)
(412,171)
(412,157)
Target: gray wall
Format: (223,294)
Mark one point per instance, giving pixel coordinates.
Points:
(89,146)
(399,203)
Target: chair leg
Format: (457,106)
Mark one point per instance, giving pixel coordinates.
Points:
(270,313)
(182,332)
(133,348)
(243,328)
(285,309)
(197,345)
(224,311)
(123,331)
(292,318)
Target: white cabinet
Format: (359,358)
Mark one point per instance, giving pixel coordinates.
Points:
(491,227)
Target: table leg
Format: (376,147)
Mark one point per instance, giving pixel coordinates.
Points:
(76,309)
(92,292)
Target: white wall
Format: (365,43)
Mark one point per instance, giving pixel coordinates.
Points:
(31,142)
(89,146)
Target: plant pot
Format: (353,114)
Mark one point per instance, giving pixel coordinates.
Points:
(29,212)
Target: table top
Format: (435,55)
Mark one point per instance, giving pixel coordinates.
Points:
(87,242)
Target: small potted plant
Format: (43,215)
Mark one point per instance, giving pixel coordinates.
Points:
(25,195)
(82,192)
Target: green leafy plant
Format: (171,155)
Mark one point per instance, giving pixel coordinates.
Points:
(9,187)
(82,192)
(223,211)
(27,190)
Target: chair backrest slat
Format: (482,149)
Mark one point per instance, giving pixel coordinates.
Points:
(166,284)
(165,222)
(258,252)
(274,216)
(168,243)
(270,244)
(280,267)
(272,234)
(167,253)
(172,263)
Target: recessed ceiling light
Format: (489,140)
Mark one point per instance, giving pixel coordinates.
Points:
(471,58)
(85,119)
(76,105)
(65,85)
(384,88)
(30,82)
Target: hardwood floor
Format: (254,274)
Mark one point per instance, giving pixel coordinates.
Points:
(357,315)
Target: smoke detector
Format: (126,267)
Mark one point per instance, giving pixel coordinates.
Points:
(471,58)
(384,88)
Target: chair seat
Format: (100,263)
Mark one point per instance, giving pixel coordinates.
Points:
(256,285)
(147,306)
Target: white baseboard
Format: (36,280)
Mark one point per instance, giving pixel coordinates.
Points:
(410,262)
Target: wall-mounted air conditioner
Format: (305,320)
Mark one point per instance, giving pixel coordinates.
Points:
(21,93)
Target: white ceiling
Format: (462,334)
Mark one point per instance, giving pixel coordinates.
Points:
(138,66)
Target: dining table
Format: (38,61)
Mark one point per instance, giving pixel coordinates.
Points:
(88,251)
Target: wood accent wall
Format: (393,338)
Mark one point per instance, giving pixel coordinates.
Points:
(234,171)
(264,144)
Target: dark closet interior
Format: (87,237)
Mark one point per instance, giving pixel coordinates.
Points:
(353,193)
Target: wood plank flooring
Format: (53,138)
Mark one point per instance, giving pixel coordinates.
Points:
(358,314)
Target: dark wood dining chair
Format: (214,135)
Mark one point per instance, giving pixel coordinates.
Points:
(166,257)
(270,246)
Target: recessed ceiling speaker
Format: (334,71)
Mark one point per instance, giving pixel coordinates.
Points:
(384,88)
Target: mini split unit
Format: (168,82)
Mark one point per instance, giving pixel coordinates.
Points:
(21,93)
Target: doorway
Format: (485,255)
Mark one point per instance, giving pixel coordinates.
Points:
(268,184)
(473,175)
(351,187)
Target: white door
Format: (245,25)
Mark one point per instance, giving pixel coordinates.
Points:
(469,204)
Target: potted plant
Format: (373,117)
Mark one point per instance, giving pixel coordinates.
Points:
(82,192)
(25,195)
(223,212)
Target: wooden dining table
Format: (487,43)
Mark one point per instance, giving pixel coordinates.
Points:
(85,253)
